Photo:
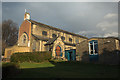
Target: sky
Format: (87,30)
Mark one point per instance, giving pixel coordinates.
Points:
(90,19)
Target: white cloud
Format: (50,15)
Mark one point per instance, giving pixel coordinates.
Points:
(75,18)
(109,25)
(113,34)
(110,15)
(90,34)
(106,25)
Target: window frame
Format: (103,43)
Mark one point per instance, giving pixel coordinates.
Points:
(94,43)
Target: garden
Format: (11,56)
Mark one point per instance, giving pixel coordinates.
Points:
(31,67)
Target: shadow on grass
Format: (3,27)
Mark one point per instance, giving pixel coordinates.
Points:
(70,70)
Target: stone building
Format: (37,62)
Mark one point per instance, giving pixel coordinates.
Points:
(94,48)
(36,36)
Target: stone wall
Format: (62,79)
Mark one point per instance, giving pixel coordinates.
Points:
(9,51)
(82,51)
(106,44)
(108,49)
(38,31)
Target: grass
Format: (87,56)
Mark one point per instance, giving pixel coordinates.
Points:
(35,65)
(67,70)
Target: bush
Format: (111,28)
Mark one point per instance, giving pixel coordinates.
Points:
(30,56)
(9,69)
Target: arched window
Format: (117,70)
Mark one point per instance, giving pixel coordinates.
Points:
(58,51)
(24,39)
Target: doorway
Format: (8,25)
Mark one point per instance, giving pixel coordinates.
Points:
(70,54)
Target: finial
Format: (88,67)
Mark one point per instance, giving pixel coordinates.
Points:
(25,11)
(26,15)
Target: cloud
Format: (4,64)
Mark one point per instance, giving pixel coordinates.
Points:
(90,34)
(77,17)
(110,15)
(113,34)
(105,25)
(109,23)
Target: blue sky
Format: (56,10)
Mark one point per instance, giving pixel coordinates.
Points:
(90,19)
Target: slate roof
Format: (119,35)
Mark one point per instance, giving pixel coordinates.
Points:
(66,43)
(57,29)
(51,41)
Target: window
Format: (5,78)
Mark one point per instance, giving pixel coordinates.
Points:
(44,33)
(58,51)
(70,39)
(24,39)
(34,45)
(93,47)
(63,38)
(54,35)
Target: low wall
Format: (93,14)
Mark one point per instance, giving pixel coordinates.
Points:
(9,51)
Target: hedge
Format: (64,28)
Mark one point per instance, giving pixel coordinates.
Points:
(31,56)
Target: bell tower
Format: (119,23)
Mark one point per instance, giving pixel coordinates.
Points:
(26,15)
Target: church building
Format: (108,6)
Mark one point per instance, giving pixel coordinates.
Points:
(36,36)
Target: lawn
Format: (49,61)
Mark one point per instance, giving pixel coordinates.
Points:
(67,70)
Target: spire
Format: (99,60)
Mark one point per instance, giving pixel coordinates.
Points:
(26,15)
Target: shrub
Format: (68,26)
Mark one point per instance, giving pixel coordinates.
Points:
(9,69)
(30,56)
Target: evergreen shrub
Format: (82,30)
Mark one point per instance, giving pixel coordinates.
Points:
(31,56)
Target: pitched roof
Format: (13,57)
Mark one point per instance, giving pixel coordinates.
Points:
(71,44)
(51,41)
(57,29)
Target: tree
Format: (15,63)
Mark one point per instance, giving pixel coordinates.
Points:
(9,34)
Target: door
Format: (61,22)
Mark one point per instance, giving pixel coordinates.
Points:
(70,55)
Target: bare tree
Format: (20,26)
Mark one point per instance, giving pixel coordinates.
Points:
(9,34)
